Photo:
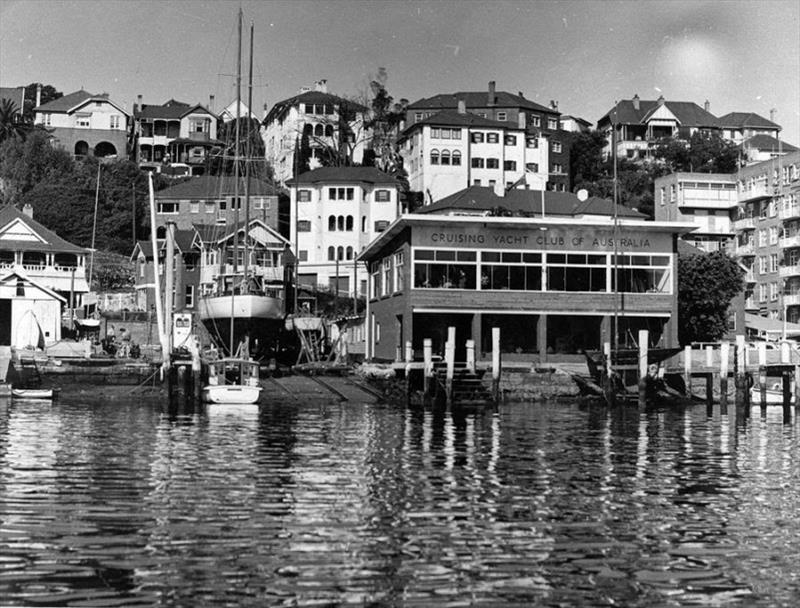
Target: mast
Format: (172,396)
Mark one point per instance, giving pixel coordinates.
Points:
(236,179)
(247,161)
(94,223)
(162,337)
(615,283)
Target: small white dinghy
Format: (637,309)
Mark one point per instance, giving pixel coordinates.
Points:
(34,393)
(232,381)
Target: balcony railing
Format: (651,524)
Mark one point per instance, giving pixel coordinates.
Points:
(750,304)
(791,299)
(789,213)
(749,277)
(745,249)
(751,194)
(744,223)
(790,241)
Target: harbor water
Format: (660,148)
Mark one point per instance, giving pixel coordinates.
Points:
(128,502)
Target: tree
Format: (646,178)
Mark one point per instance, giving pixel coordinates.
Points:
(707,283)
(48,94)
(11,124)
(27,163)
(384,122)
(704,152)
(586,165)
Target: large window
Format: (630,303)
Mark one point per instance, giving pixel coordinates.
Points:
(340,194)
(643,273)
(445,269)
(576,272)
(304,196)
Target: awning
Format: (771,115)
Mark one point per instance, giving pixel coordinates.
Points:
(770,328)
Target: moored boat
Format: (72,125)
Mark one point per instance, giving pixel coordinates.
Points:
(34,393)
(231,381)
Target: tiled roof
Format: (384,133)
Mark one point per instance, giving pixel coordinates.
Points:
(767,142)
(210,186)
(171,109)
(526,202)
(746,119)
(688,113)
(453,118)
(349,175)
(67,102)
(53,242)
(13,94)
(478,99)
(282,107)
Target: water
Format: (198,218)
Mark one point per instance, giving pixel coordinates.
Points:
(122,503)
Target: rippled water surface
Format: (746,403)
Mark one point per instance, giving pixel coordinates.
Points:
(124,503)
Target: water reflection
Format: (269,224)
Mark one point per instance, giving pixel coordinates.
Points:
(128,501)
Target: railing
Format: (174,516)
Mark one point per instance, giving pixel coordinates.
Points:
(791,270)
(789,213)
(745,249)
(790,241)
(791,299)
(745,223)
(750,276)
(748,194)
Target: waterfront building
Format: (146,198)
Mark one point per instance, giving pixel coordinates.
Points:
(86,124)
(208,199)
(174,132)
(319,116)
(541,266)
(39,272)
(537,120)
(335,213)
(640,123)
(449,151)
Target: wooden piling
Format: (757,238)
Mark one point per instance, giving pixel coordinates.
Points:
(796,387)
(450,360)
(643,367)
(496,364)
(740,377)
(197,368)
(427,355)
(608,385)
(710,357)
(709,391)
(183,379)
(409,352)
(724,356)
(687,370)
(787,396)
(762,374)
(471,356)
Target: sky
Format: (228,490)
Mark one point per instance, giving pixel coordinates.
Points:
(739,55)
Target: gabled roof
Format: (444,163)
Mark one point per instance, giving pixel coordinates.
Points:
(688,113)
(766,142)
(282,107)
(453,118)
(518,201)
(42,239)
(210,186)
(20,274)
(478,99)
(74,101)
(746,119)
(343,175)
(171,109)
(578,119)
(13,94)
(146,248)
(215,233)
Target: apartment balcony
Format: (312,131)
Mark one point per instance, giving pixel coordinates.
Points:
(750,304)
(790,270)
(790,213)
(744,223)
(788,242)
(745,249)
(791,299)
(749,277)
(754,194)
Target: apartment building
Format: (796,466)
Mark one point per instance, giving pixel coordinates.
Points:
(452,150)
(539,122)
(321,117)
(86,124)
(337,212)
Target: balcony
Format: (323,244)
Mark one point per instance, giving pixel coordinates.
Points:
(790,270)
(791,299)
(750,304)
(744,223)
(789,213)
(745,249)
(749,277)
(788,242)
(754,194)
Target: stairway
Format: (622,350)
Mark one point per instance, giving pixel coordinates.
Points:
(468,387)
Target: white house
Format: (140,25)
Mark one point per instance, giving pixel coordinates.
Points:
(335,213)
(449,151)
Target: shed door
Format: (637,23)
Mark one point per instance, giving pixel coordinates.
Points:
(5,322)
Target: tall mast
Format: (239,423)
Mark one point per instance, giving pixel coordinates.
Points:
(236,179)
(247,161)
(615,283)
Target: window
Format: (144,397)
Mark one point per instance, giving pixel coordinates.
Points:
(340,223)
(773,292)
(331,254)
(436,133)
(502,116)
(331,223)
(762,237)
(348,253)
(762,264)
(303,226)
(557,168)
(46,118)
(82,120)
(210,207)
(445,157)
(349,223)
(762,293)
(188,297)
(773,235)
(477,163)
(492,163)
(418,116)
(302,255)
(382,196)
(328,130)
(510,140)
(386,268)
(340,194)
(492,138)
(762,212)
(434,157)
(773,262)
(456,158)
(662,195)
(399,261)
(476,182)
(113,121)
(194,206)
(536,120)
(552,123)
(381,225)
(168,207)
(476,138)
(481,114)
(533,167)
(363,223)
(532,142)
(773,208)
(199,125)
(455,133)
(556,147)
(509,165)
(304,196)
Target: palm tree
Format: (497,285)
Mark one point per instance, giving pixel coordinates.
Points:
(11,124)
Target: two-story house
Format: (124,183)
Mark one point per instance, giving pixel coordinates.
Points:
(538,120)
(321,117)
(205,199)
(174,132)
(639,124)
(449,151)
(336,212)
(86,124)
(39,272)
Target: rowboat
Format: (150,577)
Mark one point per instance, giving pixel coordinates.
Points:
(231,381)
(33,393)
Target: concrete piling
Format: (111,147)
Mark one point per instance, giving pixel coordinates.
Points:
(496,364)
(687,370)
(643,366)
(427,355)
(724,356)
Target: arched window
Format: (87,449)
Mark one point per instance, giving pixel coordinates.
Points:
(331,223)
(340,222)
(328,130)
(318,131)
(161,232)
(349,253)
(456,158)
(349,226)
(434,157)
(445,157)
(340,252)
(308,129)
(331,253)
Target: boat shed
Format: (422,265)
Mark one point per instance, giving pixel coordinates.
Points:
(555,272)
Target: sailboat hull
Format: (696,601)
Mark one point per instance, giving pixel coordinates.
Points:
(258,317)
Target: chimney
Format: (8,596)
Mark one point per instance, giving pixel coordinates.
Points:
(553,104)
(211,103)
(660,100)
(321,86)
(636,102)
(28,210)
(707,106)
(491,97)
(522,122)
(772,112)
(462,106)
(38,96)
(520,94)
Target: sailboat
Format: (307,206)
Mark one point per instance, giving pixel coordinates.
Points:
(243,308)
